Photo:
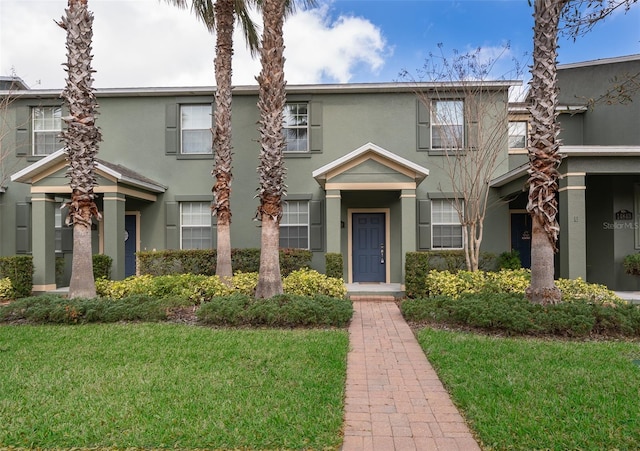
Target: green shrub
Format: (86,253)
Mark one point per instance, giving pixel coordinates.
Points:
(19,269)
(334,265)
(579,289)
(512,314)
(60,267)
(102,266)
(285,310)
(59,310)
(509,260)
(203,261)
(418,265)
(293,260)
(631,264)
(192,287)
(416,269)
(308,282)
(245,283)
(6,289)
(445,283)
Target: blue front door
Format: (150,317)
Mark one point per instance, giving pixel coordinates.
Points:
(130,240)
(369,247)
(521,237)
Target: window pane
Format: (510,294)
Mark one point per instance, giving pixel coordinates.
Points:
(195,225)
(517,135)
(196,123)
(47,124)
(447,124)
(196,238)
(295,123)
(447,236)
(294,225)
(196,141)
(295,237)
(446,229)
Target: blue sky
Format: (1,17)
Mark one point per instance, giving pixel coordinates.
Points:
(414,28)
(148,43)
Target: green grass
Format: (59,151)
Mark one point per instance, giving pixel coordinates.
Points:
(528,394)
(163,385)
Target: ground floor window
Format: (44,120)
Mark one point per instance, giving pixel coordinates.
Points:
(294,225)
(195,225)
(58,225)
(446,230)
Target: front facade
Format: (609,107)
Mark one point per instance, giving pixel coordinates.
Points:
(599,194)
(366,175)
(364,165)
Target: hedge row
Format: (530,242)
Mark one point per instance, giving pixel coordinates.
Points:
(54,309)
(18,269)
(235,310)
(198,288)
(418,265)
(284,310)
(203,261)
(512,314)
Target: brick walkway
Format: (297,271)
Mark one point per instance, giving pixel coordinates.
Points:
(394,400)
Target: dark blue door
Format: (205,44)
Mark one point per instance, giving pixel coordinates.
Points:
(369,247)
(521,237)
(130,240)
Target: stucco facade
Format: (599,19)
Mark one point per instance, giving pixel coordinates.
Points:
(366,176)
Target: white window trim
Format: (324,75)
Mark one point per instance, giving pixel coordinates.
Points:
(182,226)
(517,150)
(436,123)
(297,127)
(458,223)
(182,128)
(34,132)
(307,224)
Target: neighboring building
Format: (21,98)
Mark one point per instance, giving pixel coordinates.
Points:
(599,195)
(365,175)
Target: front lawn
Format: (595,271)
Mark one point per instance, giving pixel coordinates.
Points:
(526,394)
(167,385)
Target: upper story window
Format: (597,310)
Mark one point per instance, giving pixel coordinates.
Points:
(47,124)
(296,127)
(195,127)
(447,124)
(294,225)
(195,225)
(517,135)
(446,230)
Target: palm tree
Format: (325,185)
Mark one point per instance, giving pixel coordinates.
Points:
(271,172)
(544,158)
(81,139)
(271,102)
(220,18)
(579,17)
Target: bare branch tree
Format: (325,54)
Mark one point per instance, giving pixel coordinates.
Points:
(580,16)
(11,85)
(469,117)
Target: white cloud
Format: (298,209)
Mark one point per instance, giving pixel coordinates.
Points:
(318,50)
(150,43)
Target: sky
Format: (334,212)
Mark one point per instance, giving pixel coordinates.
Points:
(147,43)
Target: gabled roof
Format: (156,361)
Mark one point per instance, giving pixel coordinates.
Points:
(118,172)
(370,151)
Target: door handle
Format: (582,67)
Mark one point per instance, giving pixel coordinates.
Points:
(382,253)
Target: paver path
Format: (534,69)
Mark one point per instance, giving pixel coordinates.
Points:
(394,399)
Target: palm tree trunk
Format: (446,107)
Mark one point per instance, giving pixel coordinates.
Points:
(224,13)
(543,152)
(271,101)
(81,139)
